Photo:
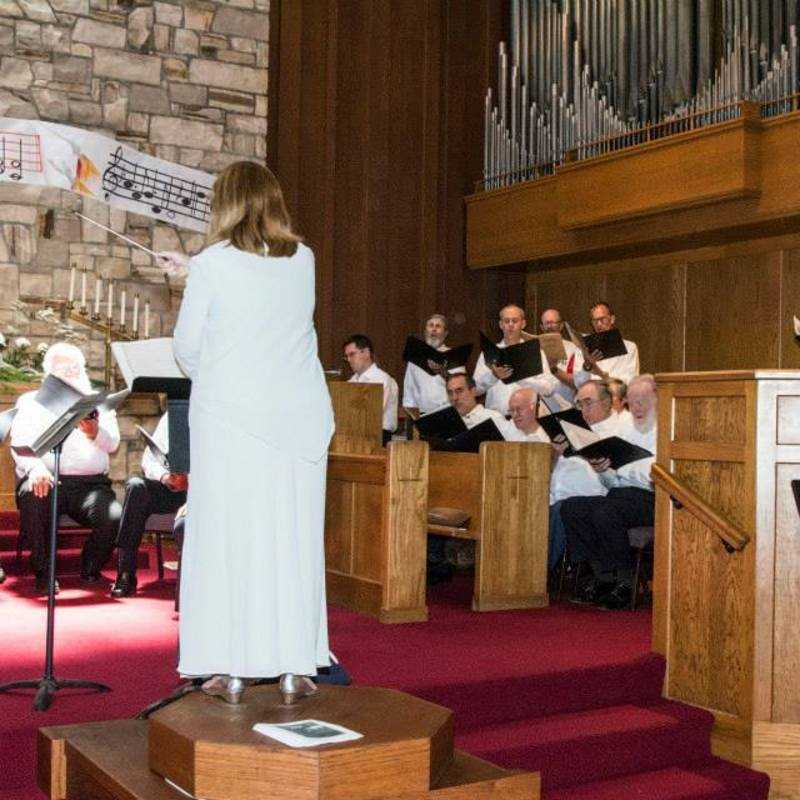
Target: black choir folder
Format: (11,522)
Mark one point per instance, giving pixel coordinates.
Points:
(445,430)
(420,353)
(525,358)
(608,343)
(176,459)
(553,411)
(587,444)
(68,405)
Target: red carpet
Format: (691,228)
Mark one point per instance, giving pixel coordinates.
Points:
(569,691)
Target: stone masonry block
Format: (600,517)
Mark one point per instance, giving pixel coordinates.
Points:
(149,99)
(228,76)
(237,22)
(127,66)
(188,133)
(90,31)
(15,73)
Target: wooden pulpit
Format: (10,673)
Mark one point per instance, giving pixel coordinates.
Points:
(726,605)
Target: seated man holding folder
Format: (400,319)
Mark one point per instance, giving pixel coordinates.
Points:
(85,488)
(597,527)
(611,356)
(496,379)
(159,491)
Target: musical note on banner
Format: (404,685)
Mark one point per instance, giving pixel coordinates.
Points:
(19,153)
(164,194)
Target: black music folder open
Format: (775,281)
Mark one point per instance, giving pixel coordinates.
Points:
(525,358)
(551,422)
(442,424)
(418,352)
(470,440)
(587,444)
(609,343)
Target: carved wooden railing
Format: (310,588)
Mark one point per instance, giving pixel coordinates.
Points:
(682,496)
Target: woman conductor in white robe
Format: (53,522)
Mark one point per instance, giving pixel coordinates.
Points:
(253,571)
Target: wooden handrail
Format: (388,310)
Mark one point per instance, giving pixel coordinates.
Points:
(732,537)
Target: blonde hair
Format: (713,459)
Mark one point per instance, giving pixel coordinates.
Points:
(248,210)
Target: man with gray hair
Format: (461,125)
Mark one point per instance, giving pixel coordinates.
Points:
(85,491)
(597,527)
(423,391)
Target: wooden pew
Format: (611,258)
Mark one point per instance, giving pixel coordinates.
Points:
(505,490)
(358,413)
(375,531)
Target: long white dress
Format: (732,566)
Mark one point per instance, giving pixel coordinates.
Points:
(260,416)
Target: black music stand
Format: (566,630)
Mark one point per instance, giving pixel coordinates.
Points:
(53,440)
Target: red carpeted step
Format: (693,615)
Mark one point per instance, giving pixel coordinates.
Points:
(570,749)
(488,702)
(9,519)
(713,780)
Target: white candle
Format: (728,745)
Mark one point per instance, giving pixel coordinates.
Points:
(135,314)
(83,289)
(98,293)
(146,319)
(122,309)
(110,307)
(72,284)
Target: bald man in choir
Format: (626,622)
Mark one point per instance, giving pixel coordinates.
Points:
(624,367)
(421,390)
(597,527)
(570,477)
(360,355)
(490,378)
(565,369)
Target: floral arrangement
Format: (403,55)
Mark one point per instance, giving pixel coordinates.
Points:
(19,361)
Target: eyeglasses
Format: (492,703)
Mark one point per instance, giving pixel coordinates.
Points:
(587,403)
(604,318)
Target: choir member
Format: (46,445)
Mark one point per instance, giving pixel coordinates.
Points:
(360,355)
(565,369)
(597,528)
(421,390)
(462,394)
(489,378)
(625,367)
(159,491)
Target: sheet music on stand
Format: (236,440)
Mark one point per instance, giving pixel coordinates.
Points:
(149,365)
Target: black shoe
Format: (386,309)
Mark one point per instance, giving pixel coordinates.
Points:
(90,578)
(124,585)
(591,592)
(42,584)
(619,597)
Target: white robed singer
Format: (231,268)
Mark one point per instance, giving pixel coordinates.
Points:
(260,416)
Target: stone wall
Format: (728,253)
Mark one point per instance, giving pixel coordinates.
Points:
(184,81)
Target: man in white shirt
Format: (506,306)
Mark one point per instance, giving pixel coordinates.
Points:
(570,477)
(462,393)
(359,352)
(597,528)
(489,377)
(625,367)
(565,369)
(85,491)
(159,491)
(421,390)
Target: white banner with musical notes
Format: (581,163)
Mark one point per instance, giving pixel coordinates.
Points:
(48,154)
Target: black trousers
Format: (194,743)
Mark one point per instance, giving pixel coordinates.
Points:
(89,500)
(597,527)
(143,497)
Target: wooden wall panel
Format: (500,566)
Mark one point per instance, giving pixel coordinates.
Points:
(732,312)
(376,125)
(713,308)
